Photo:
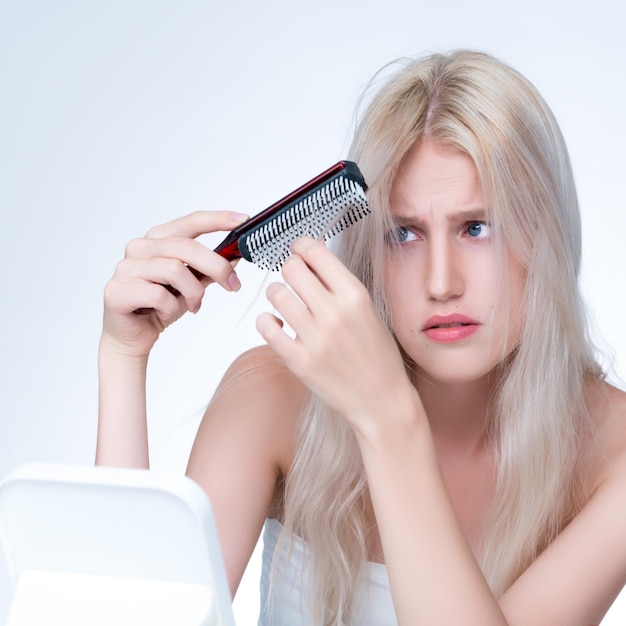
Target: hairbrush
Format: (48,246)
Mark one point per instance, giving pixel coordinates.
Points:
(321,208)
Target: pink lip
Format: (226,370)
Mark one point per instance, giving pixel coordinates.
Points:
(438,328)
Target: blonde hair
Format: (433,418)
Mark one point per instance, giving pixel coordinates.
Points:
(475,104)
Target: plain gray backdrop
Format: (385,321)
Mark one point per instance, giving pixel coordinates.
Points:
(116,115)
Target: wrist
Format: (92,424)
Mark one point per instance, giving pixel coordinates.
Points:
(399,416)
(111,349)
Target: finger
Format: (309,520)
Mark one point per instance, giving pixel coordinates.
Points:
(292,310)
(144,297)
(182,248)
(198,223)
(271,329)
(199,260)
(326,266)
(171,275)
(305,283)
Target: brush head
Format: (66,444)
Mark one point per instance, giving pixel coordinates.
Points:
(321,208)
(321,214)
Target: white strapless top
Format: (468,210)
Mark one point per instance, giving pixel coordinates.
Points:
(288,605)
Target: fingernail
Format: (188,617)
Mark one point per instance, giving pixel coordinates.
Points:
(233,282)
(238,218)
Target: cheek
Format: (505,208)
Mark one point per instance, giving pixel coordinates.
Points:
(402,293)
(401,286)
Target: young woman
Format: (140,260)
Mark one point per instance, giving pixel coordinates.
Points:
(435,443)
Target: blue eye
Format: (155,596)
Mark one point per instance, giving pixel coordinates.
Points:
(400,235)
(478,230)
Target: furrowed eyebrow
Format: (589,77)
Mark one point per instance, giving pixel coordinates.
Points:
(469,215)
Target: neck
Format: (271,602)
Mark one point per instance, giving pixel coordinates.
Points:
(457,412)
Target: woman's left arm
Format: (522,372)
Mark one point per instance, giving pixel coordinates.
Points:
(579,575)
(344,353)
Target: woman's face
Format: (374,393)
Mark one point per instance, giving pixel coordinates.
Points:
(445,284)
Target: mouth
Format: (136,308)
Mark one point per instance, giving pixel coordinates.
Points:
(450,328)
(455,320)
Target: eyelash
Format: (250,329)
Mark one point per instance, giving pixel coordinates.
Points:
(394,237)
(485,225)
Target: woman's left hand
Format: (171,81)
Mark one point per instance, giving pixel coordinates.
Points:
(342,351)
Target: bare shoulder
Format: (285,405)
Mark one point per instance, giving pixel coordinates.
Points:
(260,401)
(259,377)
(607,405)
(259,364)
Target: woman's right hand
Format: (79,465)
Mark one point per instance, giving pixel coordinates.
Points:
(163,257)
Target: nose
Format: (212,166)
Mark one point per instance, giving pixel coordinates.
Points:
(444,272)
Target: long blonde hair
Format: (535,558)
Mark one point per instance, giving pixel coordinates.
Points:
(478,105)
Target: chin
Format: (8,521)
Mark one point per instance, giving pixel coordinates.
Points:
(458,379)
(455,371)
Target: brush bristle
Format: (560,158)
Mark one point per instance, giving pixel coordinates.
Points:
(324,213)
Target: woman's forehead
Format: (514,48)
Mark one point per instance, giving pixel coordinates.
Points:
(437,179)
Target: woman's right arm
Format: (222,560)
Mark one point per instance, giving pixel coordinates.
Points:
(160,258)
(245,441)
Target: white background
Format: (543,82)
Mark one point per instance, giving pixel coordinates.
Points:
(120,114)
